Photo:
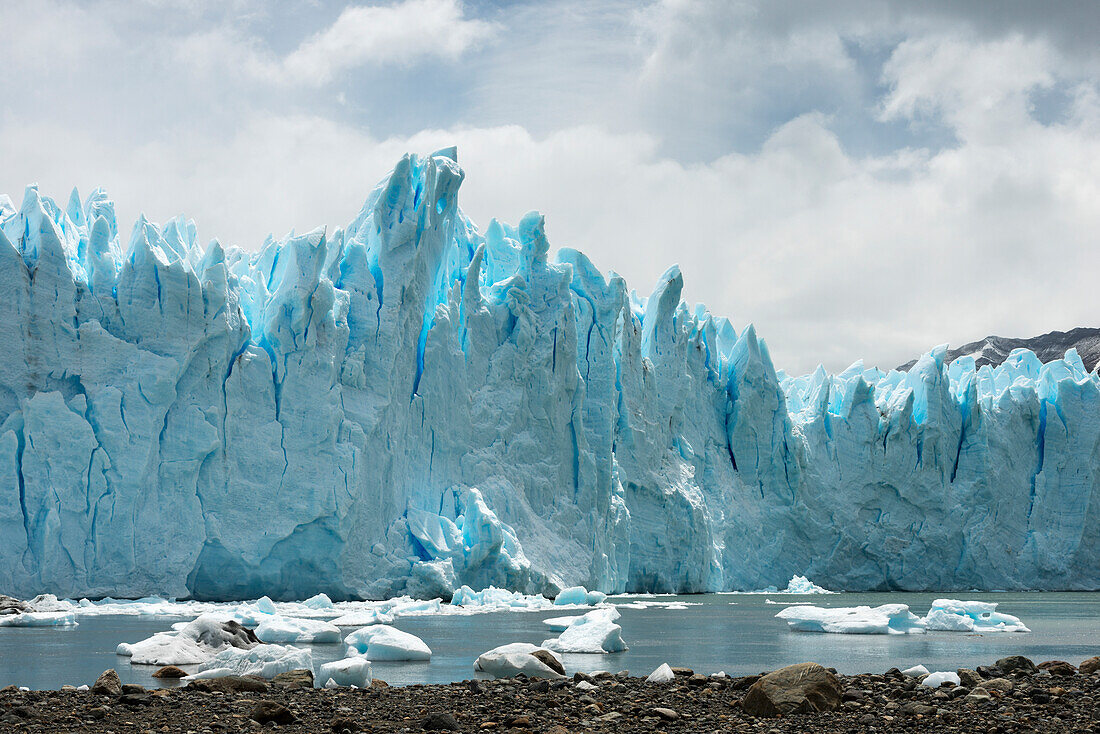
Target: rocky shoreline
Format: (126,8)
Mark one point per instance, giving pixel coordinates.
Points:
(1011,695)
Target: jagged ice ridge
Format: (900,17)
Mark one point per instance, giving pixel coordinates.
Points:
(409,404)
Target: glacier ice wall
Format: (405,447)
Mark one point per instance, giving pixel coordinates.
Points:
(410,404)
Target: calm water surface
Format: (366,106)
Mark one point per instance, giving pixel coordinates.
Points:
(734,633)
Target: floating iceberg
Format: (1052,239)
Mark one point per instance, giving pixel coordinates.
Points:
(382,642)
(410,404)
(560,624)
(289,629)
(518,657)
(946,615)
(192,643)
(594,632)
(970,616)
(39,619)
(887,619)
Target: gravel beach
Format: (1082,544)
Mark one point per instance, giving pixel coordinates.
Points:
(1011,695)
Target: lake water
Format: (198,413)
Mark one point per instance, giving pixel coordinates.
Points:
(736,633)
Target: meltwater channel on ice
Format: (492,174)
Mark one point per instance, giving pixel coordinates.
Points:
(410,404)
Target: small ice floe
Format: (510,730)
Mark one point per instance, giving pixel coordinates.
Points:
(466,600)
(266,661)
(915,672)
(952,615)
(281,629)
(363,618)
(594,632)
(663,674)
(520,657)
(382,642)
(352,671)
(887,619)
(39,619)
(933,680)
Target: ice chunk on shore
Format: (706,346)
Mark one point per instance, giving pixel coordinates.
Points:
(595,632)
(915,672)
(193,643)
(663,674)
(887,619)
(970,616)
(266,661)
(39,619)
(353,671)
(288,629)
(382,642)
(515,658)
(935,679)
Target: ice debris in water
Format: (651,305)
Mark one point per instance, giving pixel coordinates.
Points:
(39,619)
(970,616)
(594,632)
(403,401)
(382,642)
(892,619)
(194,642)
(946,615)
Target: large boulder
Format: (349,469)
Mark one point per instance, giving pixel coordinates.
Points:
(107,684)
(1058,667)
(1016,664)
(1090,666)
(798,689)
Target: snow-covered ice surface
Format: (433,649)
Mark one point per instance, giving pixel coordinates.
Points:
(39,619)
(935,679)
(411,404)
(266,661)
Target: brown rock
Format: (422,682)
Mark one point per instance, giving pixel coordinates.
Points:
(299,678)
(379,683)
(969,678)
(683,671)
(1004,685)
(107,684)
(666,714)
(1090,666)
(549,661)
(230,684)
(271,711)
(802,688)
(170,671)
(1016,664)
(1058,667)
(439,722)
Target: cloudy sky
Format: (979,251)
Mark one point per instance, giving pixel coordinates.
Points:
(858,179)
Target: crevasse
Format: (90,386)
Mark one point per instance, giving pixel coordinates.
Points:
(215,423)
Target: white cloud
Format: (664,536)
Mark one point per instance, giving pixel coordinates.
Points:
(833,254)
(393,34)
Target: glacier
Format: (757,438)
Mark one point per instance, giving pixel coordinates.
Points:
(410,405)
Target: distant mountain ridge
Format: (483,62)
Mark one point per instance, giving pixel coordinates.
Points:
(993,350)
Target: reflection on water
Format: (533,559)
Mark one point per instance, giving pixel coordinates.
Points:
(736,633)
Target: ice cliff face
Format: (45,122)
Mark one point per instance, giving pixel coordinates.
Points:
(410,404)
